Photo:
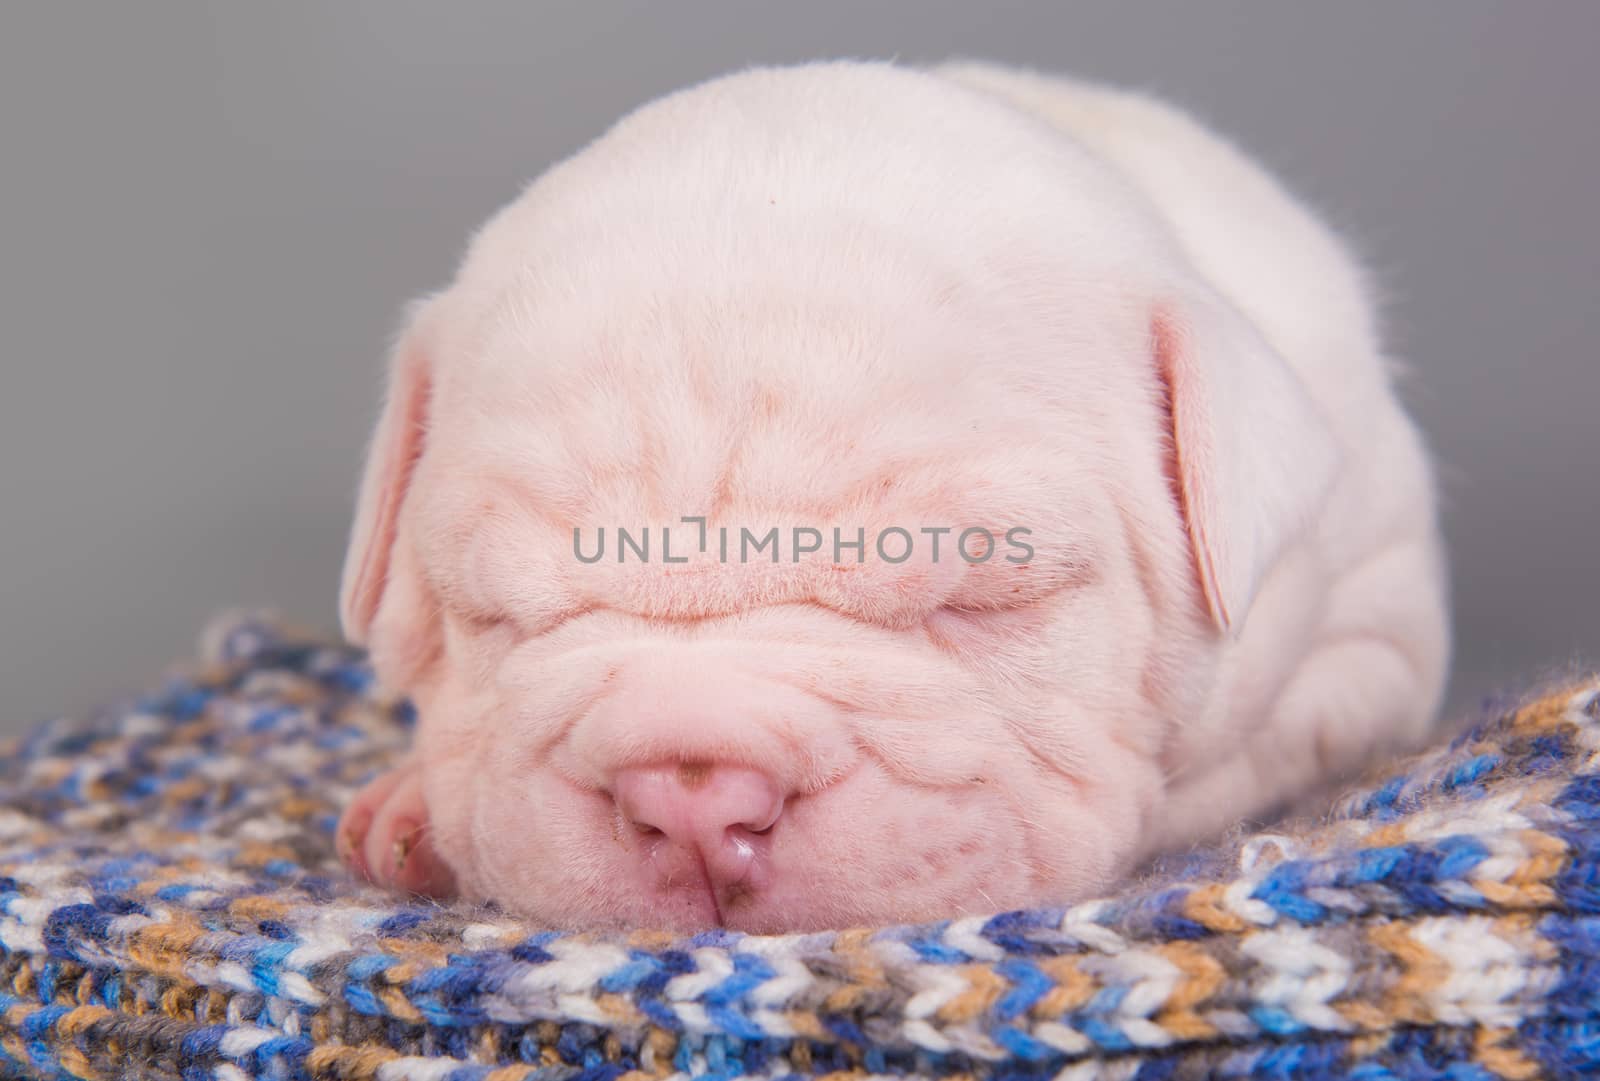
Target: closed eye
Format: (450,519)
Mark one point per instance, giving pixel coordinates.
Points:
(480,625)
(480,620)
(474,622)
(479,611)
(957,629)
(961,629)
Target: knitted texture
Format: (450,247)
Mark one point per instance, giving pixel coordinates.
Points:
(170,906)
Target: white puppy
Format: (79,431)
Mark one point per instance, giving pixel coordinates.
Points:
(864,305)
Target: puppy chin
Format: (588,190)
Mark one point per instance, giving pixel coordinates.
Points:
(786,770)
(858,852)
(866,849)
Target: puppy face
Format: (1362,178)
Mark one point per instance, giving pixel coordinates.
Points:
(691,322)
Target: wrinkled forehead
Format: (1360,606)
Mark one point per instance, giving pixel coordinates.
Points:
(666,398)
(686,318)
(782,417)
(857,247)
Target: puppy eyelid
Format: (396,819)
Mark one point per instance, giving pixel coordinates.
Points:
(487,622)
(485,615)
(477,621)
(948,624)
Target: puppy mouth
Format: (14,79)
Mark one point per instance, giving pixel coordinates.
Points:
(864,850)
(700,891)
(799,792)
(698,837)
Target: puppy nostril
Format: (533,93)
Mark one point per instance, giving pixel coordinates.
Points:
(763,824)
(696,806)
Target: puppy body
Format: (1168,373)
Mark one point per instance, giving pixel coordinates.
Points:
(1293,703)
(853,296)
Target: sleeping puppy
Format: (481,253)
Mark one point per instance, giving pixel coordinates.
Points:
(674,522)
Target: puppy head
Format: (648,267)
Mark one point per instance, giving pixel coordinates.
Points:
(806,691)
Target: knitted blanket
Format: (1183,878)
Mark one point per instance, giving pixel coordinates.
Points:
(170,906)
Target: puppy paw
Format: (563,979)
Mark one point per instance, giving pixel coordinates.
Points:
(384,837)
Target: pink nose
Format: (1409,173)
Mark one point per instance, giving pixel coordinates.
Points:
(721,815)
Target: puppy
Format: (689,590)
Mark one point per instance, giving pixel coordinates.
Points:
(848,311)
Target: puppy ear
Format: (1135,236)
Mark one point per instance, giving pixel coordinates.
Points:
(392,457)
(1252,455)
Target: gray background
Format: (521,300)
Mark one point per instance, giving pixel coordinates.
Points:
(210,216)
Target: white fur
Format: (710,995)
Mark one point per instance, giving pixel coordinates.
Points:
(857,294)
